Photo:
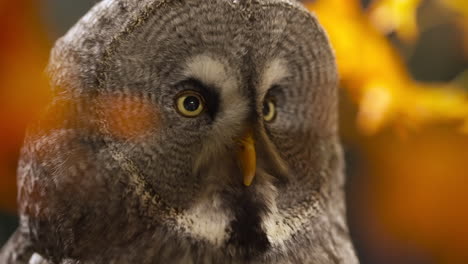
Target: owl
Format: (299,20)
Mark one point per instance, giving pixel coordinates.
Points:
(186,131)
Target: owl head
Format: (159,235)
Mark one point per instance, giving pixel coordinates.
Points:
(213,120)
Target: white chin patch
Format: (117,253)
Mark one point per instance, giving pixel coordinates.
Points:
(37,259)
(206,221)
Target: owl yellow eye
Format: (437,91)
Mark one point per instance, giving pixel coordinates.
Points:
(269,110)
(190,104)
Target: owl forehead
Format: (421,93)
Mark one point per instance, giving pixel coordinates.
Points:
(239,41)
(217,73)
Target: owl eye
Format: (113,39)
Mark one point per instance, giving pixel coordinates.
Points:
(190,104)
(269,110)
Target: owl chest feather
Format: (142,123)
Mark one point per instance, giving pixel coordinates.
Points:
(255,233)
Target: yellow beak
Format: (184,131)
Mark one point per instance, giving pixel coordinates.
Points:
(247,158)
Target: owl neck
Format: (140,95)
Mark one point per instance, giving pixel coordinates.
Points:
(267,220)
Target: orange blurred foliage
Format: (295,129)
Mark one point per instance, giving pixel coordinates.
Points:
(23,88)
(419,190)
(415,186)
(376,77)
(396,15)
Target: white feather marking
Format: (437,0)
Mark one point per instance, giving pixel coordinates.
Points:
(279,231)
(274,72)
(279,225)
(206,221)
(37,259)
(211,72)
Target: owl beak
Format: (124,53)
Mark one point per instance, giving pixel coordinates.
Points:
(247,158)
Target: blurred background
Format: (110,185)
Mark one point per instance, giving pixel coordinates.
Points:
(404,116)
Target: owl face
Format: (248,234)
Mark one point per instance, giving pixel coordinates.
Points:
(204,98)
(215,119)
(212,71)
(207,77)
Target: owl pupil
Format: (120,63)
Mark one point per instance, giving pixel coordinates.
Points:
(266,109)
(191,103)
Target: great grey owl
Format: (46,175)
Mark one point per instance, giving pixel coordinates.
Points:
(186,131)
